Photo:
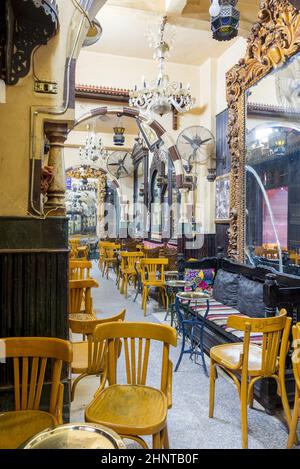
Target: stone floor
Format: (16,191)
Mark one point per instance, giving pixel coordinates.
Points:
(189,425)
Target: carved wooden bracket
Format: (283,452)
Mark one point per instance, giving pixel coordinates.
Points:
(24,25)
(273,40)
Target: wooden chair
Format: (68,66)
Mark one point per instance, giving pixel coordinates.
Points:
(102,245)
(83,252)
(296,367)
(80,270)
(153,275)
(110,258)
(295,258)
(29,359)
(127,270)
(80,298)
(246,363)
(88,356)
(135,409)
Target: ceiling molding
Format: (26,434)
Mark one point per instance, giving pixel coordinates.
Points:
(102,93)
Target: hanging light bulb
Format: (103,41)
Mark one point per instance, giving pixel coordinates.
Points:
(215,8)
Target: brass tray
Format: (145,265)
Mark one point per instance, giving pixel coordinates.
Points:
(176,283)
(76,436)
(193,296)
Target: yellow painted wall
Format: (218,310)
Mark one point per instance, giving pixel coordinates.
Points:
(16,144)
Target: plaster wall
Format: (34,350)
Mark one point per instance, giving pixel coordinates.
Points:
(17,142)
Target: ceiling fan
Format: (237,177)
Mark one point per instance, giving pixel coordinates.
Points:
(119,164)
(196,145)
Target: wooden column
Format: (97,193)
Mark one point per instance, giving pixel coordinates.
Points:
(56,133)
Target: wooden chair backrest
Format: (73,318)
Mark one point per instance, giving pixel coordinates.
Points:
(136,341)
(96,349)
(296,353)
(275,332)
(110,250)
(128,259)
(80,270)
(153,269)
(30,356)
(151,253)
(79,292)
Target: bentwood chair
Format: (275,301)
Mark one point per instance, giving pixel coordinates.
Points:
(110,258)
(296,367)
(247,363)
(134,409)
(88,356)
(102,245)
(153,275)
(80,298)
(29,357)
(80,270)
(127,269)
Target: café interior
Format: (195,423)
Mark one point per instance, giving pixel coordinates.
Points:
(149,224)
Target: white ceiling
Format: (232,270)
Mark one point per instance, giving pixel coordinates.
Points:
(124,34)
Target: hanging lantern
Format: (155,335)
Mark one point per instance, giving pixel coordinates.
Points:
(226,22)
(119,130)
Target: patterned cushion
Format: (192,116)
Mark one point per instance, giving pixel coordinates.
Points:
(200,280)
(219,313)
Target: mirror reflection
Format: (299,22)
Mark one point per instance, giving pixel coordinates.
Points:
(272,170)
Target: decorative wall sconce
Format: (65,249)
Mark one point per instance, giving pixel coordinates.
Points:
(225,19)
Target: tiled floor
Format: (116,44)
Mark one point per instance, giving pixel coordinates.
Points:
(189,425)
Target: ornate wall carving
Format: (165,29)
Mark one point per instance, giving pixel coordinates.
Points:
(24,25)
(274,38)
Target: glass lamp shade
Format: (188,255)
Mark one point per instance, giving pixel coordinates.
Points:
(225,25)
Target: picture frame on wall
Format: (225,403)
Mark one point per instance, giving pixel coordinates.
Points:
(149,135)
(223,199)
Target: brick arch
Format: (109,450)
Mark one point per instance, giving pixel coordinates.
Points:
(160,131)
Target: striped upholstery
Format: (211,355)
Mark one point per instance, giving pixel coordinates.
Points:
(219,313)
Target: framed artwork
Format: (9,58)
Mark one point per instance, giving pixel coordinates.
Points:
(223,199)
(151,139)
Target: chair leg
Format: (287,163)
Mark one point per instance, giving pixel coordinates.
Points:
(146,300)
(181,352)
(74,385)
(156,441)
(165,439)
(244,414)
(212,385)
(126,286)
(251,397)
(284,399)
(294,423)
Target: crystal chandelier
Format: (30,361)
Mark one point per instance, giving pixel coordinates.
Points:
(93,149)
(162,95)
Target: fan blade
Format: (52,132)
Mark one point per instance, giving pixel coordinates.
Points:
(206,141)
(113,164)
(124,158)
(188,139)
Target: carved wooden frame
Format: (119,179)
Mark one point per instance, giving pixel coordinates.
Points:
(273,40)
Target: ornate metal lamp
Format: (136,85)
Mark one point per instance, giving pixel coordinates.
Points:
(225,19)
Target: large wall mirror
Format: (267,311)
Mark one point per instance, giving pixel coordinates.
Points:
(264,129)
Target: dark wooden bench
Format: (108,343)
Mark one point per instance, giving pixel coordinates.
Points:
(279,291)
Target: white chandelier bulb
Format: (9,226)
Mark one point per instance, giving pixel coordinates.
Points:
(215,8)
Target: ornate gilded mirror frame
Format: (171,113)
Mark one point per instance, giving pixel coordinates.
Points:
(273,40)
